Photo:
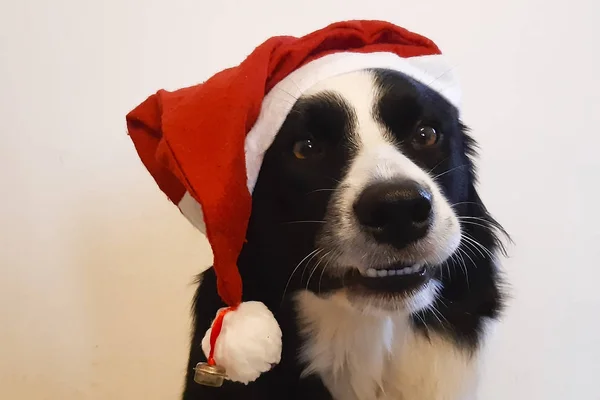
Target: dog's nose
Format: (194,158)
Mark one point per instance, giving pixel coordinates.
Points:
(395,213)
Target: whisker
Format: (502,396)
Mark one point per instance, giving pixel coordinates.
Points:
(304,222)
(464,202)
(450,170)
(475,218)
(468,245)
(469,257)
(321,190)
(446,264)
(437,314)
(323,272)
(440,298)
(463,265)
(456,260)
(476,224)
(295,269)
(433,312)
(315,268)
(307,264)
(482,247)
(437,165)
(422,320)
(440,263)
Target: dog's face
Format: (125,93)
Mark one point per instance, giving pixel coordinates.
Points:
(357,195)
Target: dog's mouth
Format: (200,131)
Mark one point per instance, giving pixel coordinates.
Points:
(394,279)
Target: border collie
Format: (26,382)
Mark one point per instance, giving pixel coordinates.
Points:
(370,244)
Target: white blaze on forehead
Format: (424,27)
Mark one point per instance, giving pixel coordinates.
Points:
(377,155)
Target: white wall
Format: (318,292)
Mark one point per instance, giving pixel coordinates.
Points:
(96,266)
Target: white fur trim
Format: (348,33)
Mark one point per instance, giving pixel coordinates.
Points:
(192,210)
(431,70)
(249,343)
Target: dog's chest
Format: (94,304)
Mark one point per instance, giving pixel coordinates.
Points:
(366,357)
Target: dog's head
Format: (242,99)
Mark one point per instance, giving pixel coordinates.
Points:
(365,193)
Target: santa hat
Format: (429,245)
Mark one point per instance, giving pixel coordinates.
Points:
(204,146)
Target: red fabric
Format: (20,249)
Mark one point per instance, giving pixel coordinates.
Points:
(193,139)
(217,325)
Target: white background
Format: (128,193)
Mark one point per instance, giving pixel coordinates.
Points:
(96,266)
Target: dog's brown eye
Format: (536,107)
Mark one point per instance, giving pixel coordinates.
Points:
(425,136)
(304,149)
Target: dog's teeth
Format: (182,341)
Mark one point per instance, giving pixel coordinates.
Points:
(381,273)
(371,273)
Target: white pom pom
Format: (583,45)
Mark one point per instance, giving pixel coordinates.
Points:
(249,342)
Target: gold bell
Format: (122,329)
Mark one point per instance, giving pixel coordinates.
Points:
(209,375)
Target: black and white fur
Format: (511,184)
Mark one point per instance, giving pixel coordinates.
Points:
(346,334)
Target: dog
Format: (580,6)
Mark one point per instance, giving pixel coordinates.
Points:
(371,245)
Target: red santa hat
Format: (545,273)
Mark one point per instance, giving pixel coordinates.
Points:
(204,147)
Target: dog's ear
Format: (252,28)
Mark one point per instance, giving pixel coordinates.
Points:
(479,289)
(475,217)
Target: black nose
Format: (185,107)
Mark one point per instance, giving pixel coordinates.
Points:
(395,213)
